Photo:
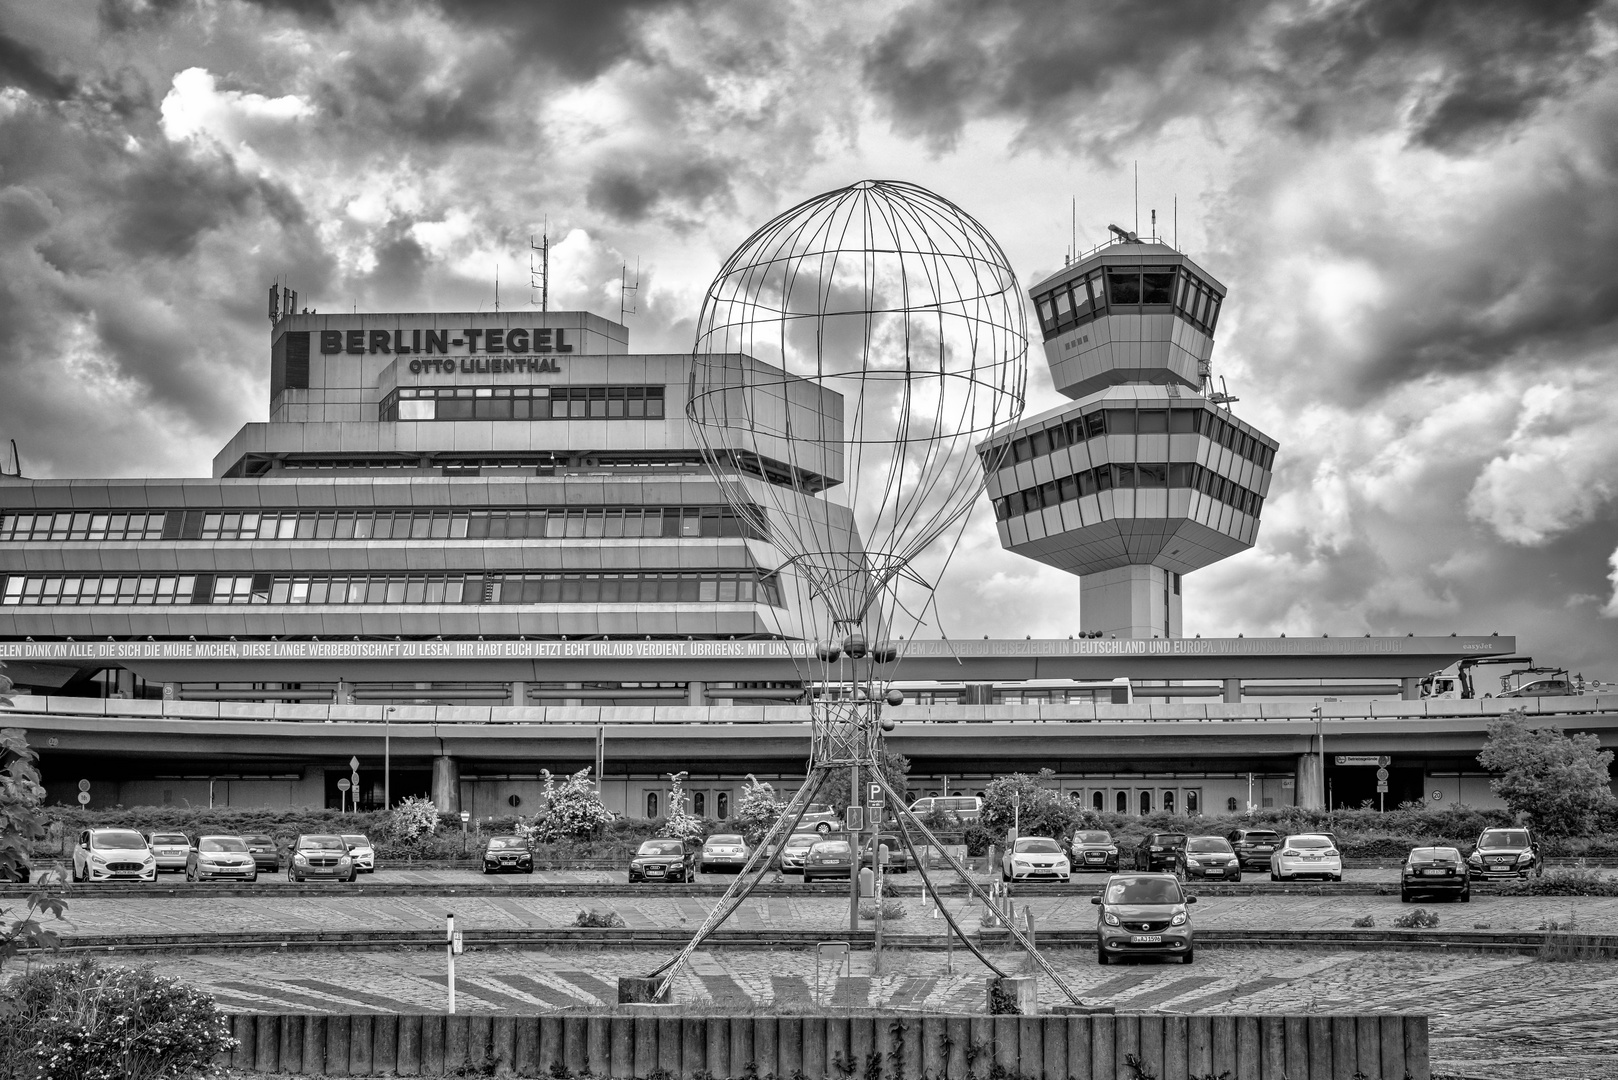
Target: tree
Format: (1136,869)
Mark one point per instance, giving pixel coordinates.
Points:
(681,823)
(757,809)
(1037,809)
(573,811)
(413,821)
(20,823)
(835,794)
(1562,782)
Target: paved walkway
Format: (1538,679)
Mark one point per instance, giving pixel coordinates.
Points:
(1492,1017)
(652,907)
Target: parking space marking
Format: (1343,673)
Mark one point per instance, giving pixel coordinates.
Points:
(545,992)
(599,989)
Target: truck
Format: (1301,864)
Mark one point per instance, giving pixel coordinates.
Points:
(1457,683)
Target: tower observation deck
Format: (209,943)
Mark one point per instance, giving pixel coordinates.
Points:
(1147,475)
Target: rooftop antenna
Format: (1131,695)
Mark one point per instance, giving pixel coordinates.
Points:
(275,303)
(16,461)
(544,271)
(625,288)
(497,288)
(1073,237)
(1137,196)
(1176,223)
(1154,224)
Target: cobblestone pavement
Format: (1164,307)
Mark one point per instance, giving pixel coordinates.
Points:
(653,906)
(1492,1017)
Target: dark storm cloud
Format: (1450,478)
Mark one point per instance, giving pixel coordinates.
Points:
(381,88)
(632,191)
(1475,67)
(27,68)
(168,199)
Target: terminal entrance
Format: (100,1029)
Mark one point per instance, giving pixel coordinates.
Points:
(1353,787)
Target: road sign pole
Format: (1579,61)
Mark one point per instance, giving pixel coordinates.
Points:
(449,952)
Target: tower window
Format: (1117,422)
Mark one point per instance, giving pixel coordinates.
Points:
(1145,803)
(651,804)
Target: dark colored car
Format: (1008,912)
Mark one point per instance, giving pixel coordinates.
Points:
(319,857)
(828,859)
(266,856)
(1254,847)
(1435,871)
(1093,849)
(1143,915)
(898,860)
(1211,858)
(663,860)
(1159,851)
(508,853)
(1506,853)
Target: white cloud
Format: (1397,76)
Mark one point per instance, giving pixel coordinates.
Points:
(196,110)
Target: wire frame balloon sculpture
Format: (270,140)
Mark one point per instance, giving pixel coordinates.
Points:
(850,357)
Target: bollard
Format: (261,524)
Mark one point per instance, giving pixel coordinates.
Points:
(1014,995)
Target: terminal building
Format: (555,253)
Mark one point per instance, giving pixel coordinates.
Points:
(465,549)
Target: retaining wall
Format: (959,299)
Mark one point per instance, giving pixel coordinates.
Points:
(659,1043)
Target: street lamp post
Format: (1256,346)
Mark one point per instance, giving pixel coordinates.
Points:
(387,757)
(1320,733)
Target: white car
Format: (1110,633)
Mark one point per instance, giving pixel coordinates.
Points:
(113,854)
(171,849)
(723,851)
(1306,855)
(1035,858)
(361,851)
(221,857)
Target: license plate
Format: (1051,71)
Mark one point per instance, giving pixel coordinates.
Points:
(1263,850)
(1212,870)
(655,872)
(1436,873)
(1314,858)
(1147,939)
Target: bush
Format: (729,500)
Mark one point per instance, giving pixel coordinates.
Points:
(595,917)
(891,909)
(80,1021)
(1563,883)
(1364,922)
(978,839)
(572,811)
(413,821)
(1420,919)
(757,809)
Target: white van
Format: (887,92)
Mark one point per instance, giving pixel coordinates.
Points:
(966,807)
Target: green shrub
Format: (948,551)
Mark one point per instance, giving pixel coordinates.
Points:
(1364,922)
(81,1021)
(1420,919)
(596,917)
(891,909)
(1572,882)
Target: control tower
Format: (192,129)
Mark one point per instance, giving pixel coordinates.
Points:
(1147,475)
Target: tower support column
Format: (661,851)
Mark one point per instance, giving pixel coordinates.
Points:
(1130,602)
(1310,784)
(447,784)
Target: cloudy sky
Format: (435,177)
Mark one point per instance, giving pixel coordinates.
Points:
(1415,208)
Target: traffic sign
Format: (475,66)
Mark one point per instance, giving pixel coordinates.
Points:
(466,815)
(84,785)
(1358,759)
(84,798)
(1384,761)
(875,796)
(1381,785)
(343,784)
(1438,796)
(1382,774)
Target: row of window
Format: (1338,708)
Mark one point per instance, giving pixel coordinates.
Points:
(539,588)
(523,403)
(1128,290)
(1143,474)
(598,521)
(699,804)
(1094,425)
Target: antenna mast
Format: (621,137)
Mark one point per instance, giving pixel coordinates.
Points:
(543,273)
(625,288)
(497,288)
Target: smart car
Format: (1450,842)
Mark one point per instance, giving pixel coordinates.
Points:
(1435,871)
(723,851)
(1035,858)
(113,854)
(1209,858)
(508,853)
(361,851)
(662,860)
(1307,855)
(829,859)
(1159,851)
(221,857)
(1505,853)
(171,849)
(1093,849)
(1143,915)
(321,858)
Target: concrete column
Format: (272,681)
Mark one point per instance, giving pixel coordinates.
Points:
(126,683)
(695,693)
(1311,785)
(447,784)
(519,693)
(1412,689)
(1233,691)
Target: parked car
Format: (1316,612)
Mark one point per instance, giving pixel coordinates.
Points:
(1094,849)
(221,857)
(1159,851)
(1435,871)
(266,856)
(968,808)
(171,849)
(361,851)
(1143,915)
(1207,857)
(320,857)
(1253,847)
(820,819)
(1307,854)
(795,850)
(508,853)
(723,851)
(113,854)
(1506,853)
(898,860)
(828,859)
(662,860)
(1035,858)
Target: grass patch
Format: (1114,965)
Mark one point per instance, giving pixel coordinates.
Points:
(1569,882)
(891,909)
